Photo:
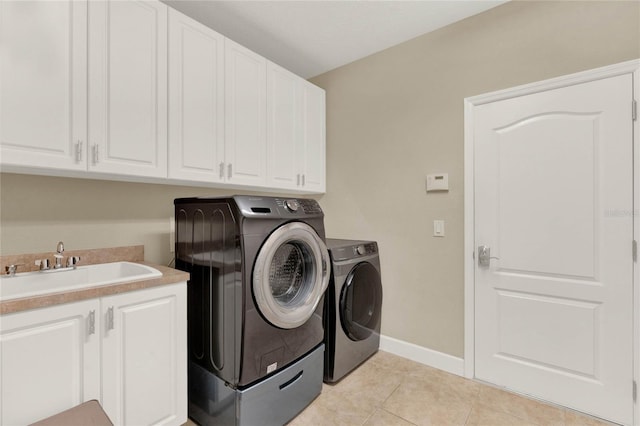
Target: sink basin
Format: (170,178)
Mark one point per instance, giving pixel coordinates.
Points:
(29,284)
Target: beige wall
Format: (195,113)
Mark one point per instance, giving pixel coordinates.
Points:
(392,118)
(396,116)
(36,212)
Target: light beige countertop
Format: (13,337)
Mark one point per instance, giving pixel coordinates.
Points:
(89,257)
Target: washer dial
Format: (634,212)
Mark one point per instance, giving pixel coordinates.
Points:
(292,205)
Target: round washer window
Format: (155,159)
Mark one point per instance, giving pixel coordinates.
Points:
(289,269)
(290,275)
(361,302)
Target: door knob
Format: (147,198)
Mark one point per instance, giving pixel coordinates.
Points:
(484,256)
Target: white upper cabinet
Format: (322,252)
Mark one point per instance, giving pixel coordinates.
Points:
(43,84)
(245,115)
(284,142)
(134,90)
(196,100)
(128,87)
(314,137)
(295,132)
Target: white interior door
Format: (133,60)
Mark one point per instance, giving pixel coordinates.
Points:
(553,201)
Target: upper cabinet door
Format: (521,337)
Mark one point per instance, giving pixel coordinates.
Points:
(314,136)
(284,141)
(245,107)
(196,100)
(43,84)
(128,87)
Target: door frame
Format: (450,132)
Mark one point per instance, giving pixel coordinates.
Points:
(628,67)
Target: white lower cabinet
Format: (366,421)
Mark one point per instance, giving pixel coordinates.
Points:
(128,351)
(144,349)
(49,361)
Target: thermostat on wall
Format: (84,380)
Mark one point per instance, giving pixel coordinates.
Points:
(438,182)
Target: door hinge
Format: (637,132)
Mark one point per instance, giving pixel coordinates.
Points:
(635,391)
(634,250)
(634,110)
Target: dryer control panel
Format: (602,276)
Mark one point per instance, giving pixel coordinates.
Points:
(350,249)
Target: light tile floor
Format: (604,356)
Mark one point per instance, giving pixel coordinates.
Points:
(393,391)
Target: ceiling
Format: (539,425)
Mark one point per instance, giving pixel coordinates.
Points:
(314,36)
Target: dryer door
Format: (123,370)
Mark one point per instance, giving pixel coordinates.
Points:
(290,275)
(361,302)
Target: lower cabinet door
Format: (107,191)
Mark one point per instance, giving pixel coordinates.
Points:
(144,364)
(49,361)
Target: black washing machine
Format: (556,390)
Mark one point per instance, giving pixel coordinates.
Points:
(353,305)
(259,269)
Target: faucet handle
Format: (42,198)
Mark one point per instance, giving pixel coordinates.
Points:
(43,264)
(12,269)
(73,260)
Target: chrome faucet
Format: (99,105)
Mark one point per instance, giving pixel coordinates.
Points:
(58,255)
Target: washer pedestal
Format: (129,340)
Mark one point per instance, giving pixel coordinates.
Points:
(274,400)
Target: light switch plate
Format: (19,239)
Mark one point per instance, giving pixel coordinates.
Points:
(438,228)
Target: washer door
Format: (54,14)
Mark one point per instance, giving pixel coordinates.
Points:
(361,302)
(290,275)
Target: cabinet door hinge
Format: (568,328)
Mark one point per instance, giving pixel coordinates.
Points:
(634,110)
(634,250)
(635,391)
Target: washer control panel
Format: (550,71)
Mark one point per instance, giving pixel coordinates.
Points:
(304,206)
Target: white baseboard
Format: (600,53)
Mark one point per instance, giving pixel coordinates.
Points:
(435,359)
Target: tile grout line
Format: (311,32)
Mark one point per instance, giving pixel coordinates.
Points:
(476,400)
(406,376)
(400,417)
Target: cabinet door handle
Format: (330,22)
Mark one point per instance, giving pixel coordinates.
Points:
(91,327)
(303,180)
(221,170)
(96,154)
(229,170)
(78,151)
(110,318)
